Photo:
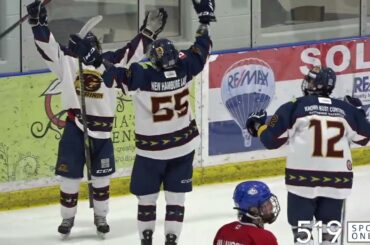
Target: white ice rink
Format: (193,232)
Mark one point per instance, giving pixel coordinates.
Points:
(207,208)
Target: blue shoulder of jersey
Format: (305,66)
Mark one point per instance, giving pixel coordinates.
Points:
(273,135)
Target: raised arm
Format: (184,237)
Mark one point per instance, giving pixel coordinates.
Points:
(196,56)
(135,50)
(49,49)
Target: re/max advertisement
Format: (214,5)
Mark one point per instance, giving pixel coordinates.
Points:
(246,82)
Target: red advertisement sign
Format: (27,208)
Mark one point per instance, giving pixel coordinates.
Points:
(292,62)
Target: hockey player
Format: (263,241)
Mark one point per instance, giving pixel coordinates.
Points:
(256,206)
(318,170)
(100,107)
(166,133)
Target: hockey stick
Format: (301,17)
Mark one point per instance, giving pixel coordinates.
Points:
(87,146)
(20,21)
(343,219)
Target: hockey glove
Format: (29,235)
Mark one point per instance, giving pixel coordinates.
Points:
(85,51)
(154,23)
(205,10)
(37,14)
(356,102)
(255,120)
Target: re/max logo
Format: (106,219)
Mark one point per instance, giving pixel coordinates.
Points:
(238,79)
(361,84)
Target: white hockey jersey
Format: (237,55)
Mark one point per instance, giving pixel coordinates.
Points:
(100,100)
(165,127)
(320,131)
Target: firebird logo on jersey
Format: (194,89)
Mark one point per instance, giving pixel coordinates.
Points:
(92,81)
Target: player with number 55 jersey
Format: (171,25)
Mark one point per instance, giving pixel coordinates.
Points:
(164,125)
(319,129)
(166,132)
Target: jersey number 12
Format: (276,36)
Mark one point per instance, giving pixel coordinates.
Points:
(318,138)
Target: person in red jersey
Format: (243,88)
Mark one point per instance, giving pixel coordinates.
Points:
(256,206)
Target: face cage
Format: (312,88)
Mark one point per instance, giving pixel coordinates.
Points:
(258,216)
(167,61)
(305,86)
(307,90)
(271,214)
(170,63)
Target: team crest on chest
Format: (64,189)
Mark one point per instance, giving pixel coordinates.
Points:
(92,81)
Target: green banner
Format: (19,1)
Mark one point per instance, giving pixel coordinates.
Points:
(31,125)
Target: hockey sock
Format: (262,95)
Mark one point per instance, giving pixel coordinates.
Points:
(147,215)
(69,196)
(174,213)
(101,195)
(174,219)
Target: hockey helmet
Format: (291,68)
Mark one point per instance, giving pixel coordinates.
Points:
(319,81)
(163,53)
(255,203)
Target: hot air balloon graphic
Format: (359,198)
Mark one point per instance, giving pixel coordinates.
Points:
(247,86)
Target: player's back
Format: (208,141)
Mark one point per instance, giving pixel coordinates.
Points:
(165,127)
(319,153)
(237,233)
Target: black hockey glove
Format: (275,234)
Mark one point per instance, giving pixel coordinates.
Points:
(255,120)
(356,102)
(205,10)
(37,14)
(85,51)
(154,23)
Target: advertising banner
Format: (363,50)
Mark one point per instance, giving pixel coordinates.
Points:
(31,125)
(246,82)
(241,83)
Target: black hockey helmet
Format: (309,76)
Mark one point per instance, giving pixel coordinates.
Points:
(163,53)
(319,81)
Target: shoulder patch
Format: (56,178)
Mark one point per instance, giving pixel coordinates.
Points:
(182,55)
(274,119)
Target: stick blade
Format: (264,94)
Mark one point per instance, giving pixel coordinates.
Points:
(90,24)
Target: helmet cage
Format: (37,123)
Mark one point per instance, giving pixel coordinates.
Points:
(319,81)
(163,54)
(269,210)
